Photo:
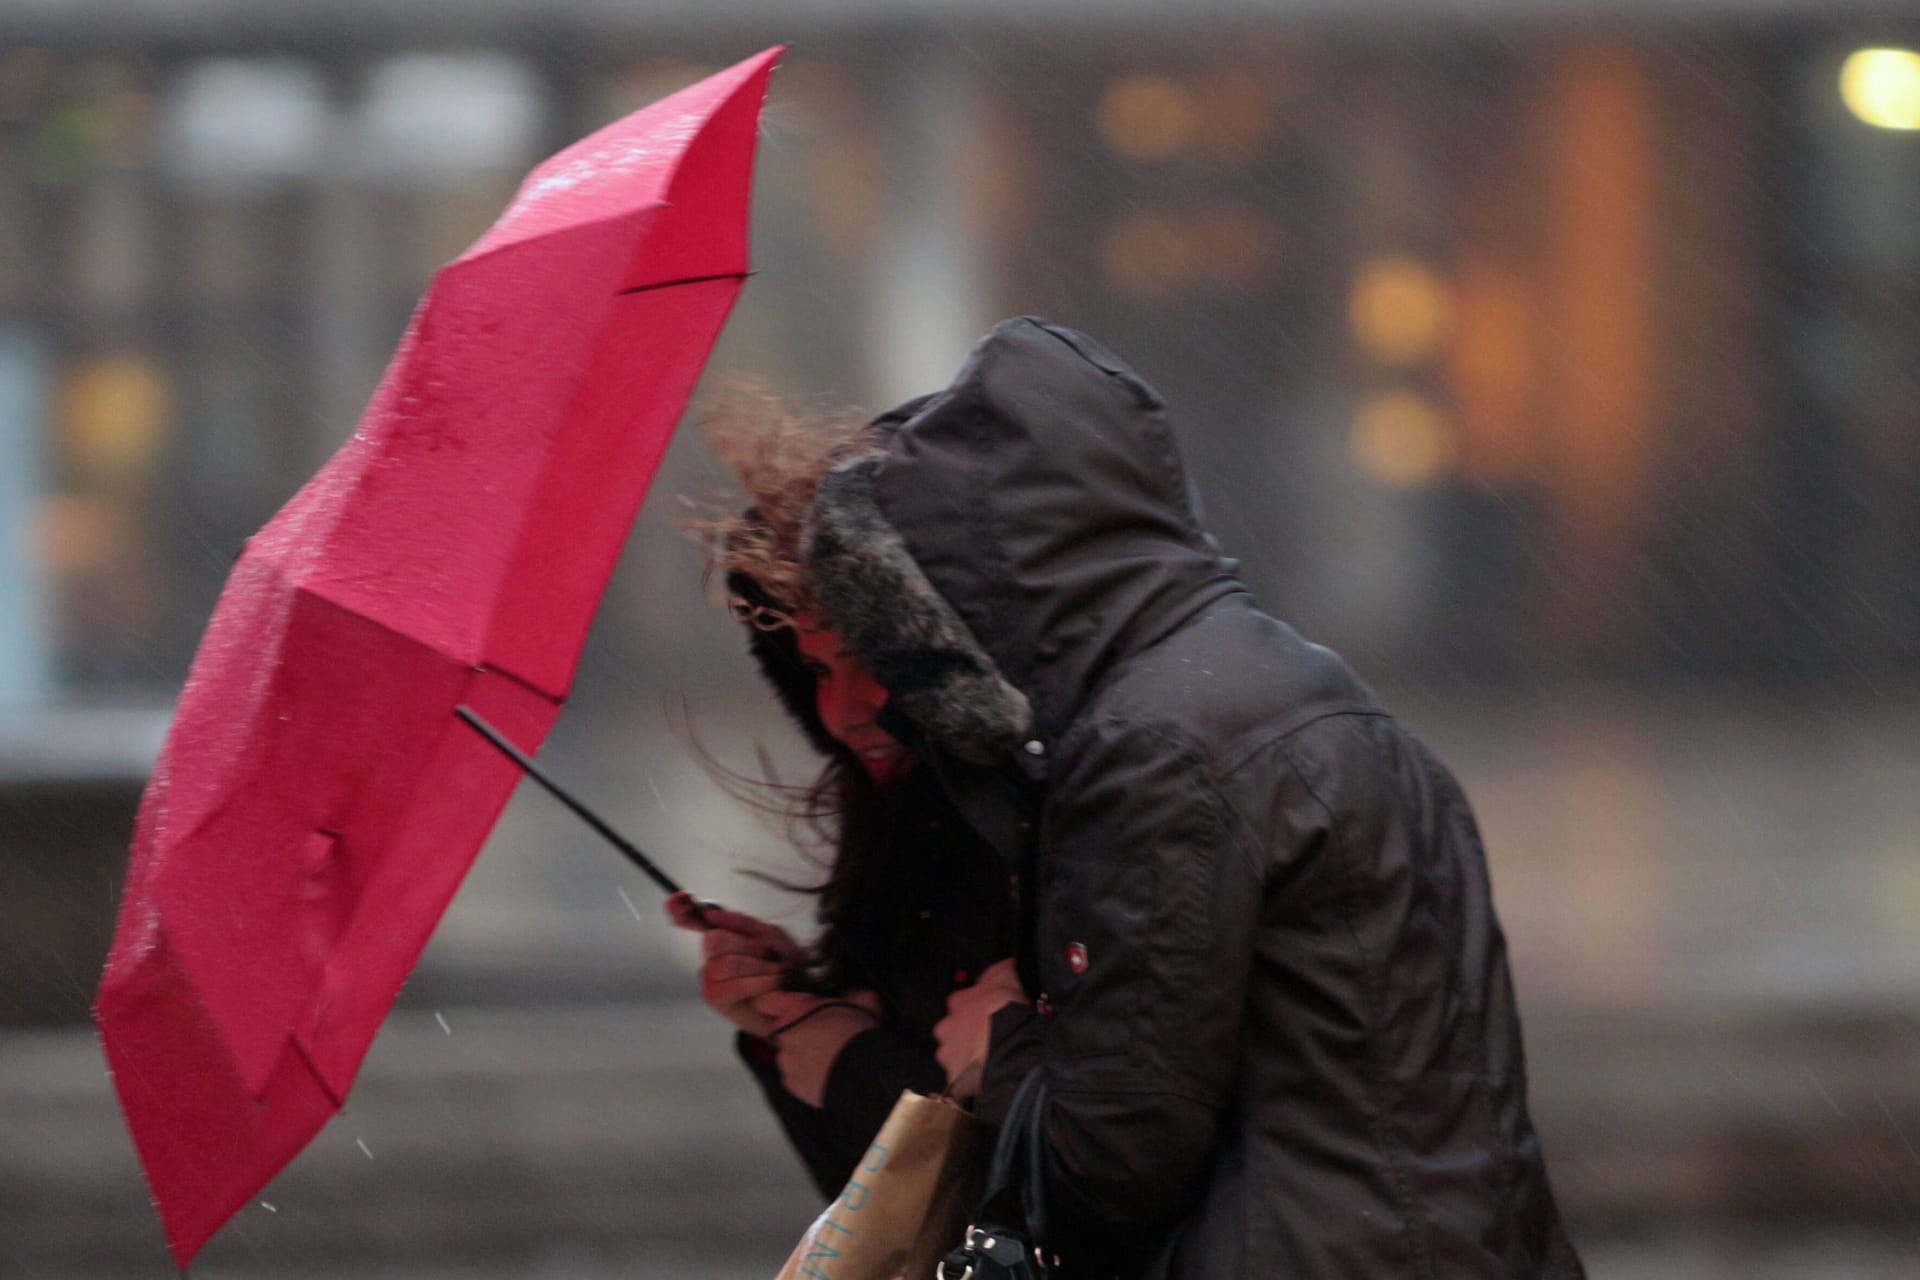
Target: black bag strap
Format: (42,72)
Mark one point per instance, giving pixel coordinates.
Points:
(1016,1176)
(997,1247)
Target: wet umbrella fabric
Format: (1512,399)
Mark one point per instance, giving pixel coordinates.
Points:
(317,802)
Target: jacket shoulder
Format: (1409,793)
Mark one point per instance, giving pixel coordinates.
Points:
(1227,684)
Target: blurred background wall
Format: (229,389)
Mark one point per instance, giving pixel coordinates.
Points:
(1558,363)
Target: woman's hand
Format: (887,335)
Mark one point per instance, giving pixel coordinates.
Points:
(964,1033)
(808,1032)
(743,959)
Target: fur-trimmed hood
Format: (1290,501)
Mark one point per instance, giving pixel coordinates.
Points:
(1018,534)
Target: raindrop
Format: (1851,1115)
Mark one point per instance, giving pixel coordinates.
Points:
(363,1148)
(630,907)
(268,1207)
(1904,1140)
(437,1017)
(1823,1091)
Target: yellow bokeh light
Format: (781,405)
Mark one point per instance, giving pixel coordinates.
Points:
(113,415)
(1224,247)
(1399,310)
(1238,248)
(1147,117)
(1149,253)
(1401,439)
(78,534)
(1882,87)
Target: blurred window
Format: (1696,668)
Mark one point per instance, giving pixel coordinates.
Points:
(26,650)
(234,122)
(427,116)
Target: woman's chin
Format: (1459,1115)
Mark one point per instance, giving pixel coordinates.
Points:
(886,765)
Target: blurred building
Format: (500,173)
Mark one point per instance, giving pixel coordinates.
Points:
(1510,339)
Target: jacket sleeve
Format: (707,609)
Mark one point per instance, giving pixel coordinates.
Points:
(1149,900)
(869,1075)
(865,1081)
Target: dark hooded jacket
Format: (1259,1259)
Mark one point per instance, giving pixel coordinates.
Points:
(1274,1016)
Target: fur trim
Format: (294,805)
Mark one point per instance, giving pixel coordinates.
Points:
(892,617)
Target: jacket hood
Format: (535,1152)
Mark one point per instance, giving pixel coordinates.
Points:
(1018,534)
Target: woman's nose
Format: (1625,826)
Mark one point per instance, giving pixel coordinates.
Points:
(857,703)
(865,698)
(837,708)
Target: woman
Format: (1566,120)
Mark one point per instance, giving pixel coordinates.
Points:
(1273,1026)
(912,908)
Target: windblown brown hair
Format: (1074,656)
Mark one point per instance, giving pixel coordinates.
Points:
(779,453)
(871,841)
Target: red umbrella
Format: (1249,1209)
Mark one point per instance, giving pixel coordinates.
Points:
(317,801)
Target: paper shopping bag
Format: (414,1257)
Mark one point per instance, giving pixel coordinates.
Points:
(907,1201)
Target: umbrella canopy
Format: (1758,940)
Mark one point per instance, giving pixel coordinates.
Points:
(317,802)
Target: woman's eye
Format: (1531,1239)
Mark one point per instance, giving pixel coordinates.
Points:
(818,670)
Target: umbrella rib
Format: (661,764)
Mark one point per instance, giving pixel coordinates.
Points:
(338,1100)
(675,284)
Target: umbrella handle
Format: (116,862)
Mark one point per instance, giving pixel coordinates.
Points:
(592,819)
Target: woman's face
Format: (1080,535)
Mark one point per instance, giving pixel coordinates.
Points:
(848,699)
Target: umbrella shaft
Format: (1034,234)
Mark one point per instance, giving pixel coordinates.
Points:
(561,794)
